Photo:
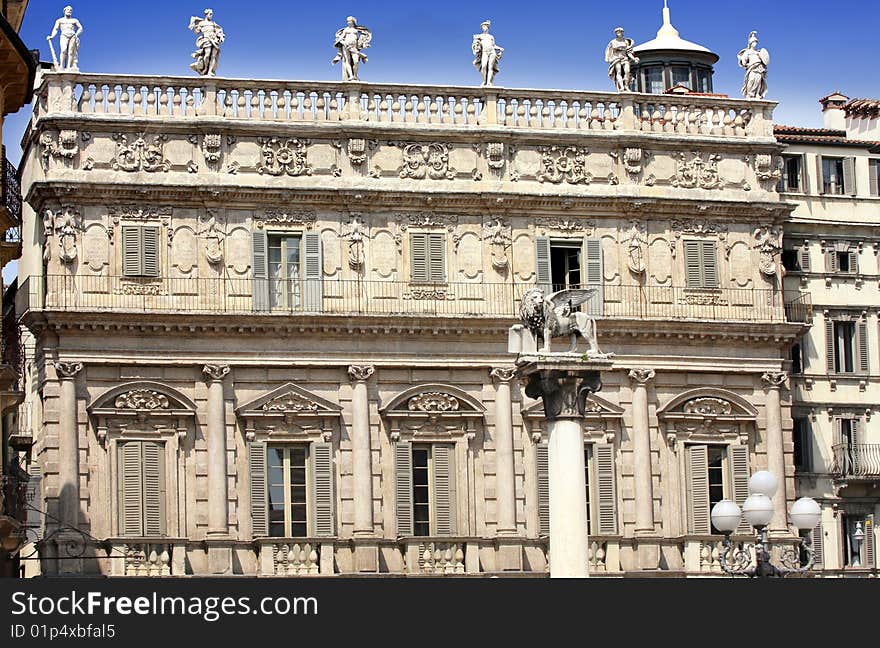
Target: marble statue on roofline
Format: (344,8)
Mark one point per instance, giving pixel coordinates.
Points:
(210,37)
(755,62)
(487,54)
(620,58)
(350,42)
(68,45)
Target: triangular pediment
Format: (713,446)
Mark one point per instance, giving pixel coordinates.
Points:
(595,407)
(287,400)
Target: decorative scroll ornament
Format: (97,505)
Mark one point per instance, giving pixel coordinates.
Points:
(279,157)
(354,232)
(765,168)
(768,242)
(64,225)
(636,240)
(361,373)
(641,376)
(498,233)
(433,402)
(68,370)
(566,225)
(214,238)
(694,226)
(141,155)
(277,217)
(697,173)
(215,372)
(211,147)
(142,399)
(495,155)
(429,219)
(357,151)
(290,402)
(503,374)
(568,164)
(774,379)
(65,147)
(632,160)
(426,160)
(708,407)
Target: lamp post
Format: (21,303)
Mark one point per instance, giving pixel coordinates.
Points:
(758,511)
(857,537)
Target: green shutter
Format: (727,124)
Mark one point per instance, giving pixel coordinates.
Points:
(692,267)
(36,519)
(150,251)
(323,496)
(698,489)
(437,257)
(131,494)
(418,256)
(154,489)
(829,346)
(818,541)
(260,268)
(870,542)
(313,265)
(403,487)
(849,176)
(542,462)
(258,494)
(132,264)
(709,263)
(862,346)
(543,277)
(804,259)
(593,276)
(444,489)
(603,455)
(739,471)
(874,177)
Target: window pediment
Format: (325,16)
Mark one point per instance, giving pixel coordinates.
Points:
(289,412)
(433,412)
(145,404)
(706,415)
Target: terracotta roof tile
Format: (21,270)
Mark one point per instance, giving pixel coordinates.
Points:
(862,107)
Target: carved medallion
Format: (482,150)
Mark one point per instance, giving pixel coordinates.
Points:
(433,402)
(290,402)
(211,144)
(426,161)
(564,164)
(697,173)
(765,168)
(495,155)
(768,242)
(280,157)
(140,155)
(142,399)
(708,407)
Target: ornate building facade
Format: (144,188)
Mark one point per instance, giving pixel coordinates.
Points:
(271,322)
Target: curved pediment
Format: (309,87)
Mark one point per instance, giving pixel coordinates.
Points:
(434,399)
(289,400)
(595,407)
(142,397)
(708,402)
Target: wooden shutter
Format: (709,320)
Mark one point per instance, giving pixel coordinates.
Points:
(803,175)
(849,176)
(870,542)
(543,277)
(35,521)
(542,463)
(805,430)
(698,489)
(874,177)
(593,276)
(258,495)
(853,261)
(131,494)
(820,176)
(804,259)
(863,359)
(132,264)
(818,540)
(831,264)
(709,263)
(260,265)
(323,495)
(313,265)
(829,345)
(154,488)
(418,257)
(150,251)
(692,266)
(403,487)
(437,257)
(739,472)
(445,510)
(606,491)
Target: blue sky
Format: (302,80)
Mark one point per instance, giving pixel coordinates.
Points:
(815,49)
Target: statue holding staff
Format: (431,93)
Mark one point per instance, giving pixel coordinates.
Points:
(68,44)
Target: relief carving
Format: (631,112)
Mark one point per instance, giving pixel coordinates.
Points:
(290,402)
(495,155)
(585,227)
(428,219)
(568,164)
(214,238)
(305,218)
(426,160)
(280,157)
(498,234)
(697,172)
(636,240)
(765,168)
(141,155)
(355,232)
(768,242)
(63,224)
(708,407)
(433,402)
(211,148)
(64,147)
(142,399)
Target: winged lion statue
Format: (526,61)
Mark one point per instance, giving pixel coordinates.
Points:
(555,315)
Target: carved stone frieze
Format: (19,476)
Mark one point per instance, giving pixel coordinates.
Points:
(697,172)
(433,402)
(280,157)
(422,161)
(567,226)
(290,402)
(766,168)
(636,240)
(136,213)
(430,219)
(65,146)
(151,289)
(499,235)
(564,164)
(303,218)
(708,407)
(768,242)
(142,399)
(141,155)
(212,148)
(64,225)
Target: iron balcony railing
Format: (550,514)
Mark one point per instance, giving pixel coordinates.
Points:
(11,199)
(354,297)
(856,460)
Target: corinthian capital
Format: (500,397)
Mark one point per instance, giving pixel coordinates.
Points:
(361,373)
(503,374)
(215,372)
(774,379)
(641,376)
(68,370)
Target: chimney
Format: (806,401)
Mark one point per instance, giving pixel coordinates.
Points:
(832,109)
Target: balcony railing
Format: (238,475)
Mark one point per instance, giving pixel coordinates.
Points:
(67,293)
(11,199)
(163,98)
(856,460)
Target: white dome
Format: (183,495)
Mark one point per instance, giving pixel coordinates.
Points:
(668,38)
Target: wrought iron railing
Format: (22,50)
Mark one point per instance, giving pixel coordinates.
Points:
(354,297)
(11,189)
(856,460)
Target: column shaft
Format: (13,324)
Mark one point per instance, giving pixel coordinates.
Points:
(218,522)
(569,544)
(644,491)
(361,464)
(68,455)
(776,457)
(504,464)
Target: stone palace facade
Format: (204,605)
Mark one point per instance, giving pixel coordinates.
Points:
(270,322)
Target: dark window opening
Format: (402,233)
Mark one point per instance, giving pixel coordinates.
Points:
(565,265)
(844,346)
(421,491)
(716,478)
(790,260)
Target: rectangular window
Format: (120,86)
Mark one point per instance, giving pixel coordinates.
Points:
(285,271)
(421,477)
(846,346)
(140,251)
(858,540)
(588,461)
(565,265)
(569,263)
(287,481)
(797,359)
(803,444)
(654,80)
(681,75)
(701,264)
(428,257)
(704,80)
(832,176)
(714,472)
(844,343)
(792,173)
(874,177)
(425,489)
(791,260)
(141,488)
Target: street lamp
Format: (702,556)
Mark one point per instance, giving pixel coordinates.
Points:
(857,537)
(758,511)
